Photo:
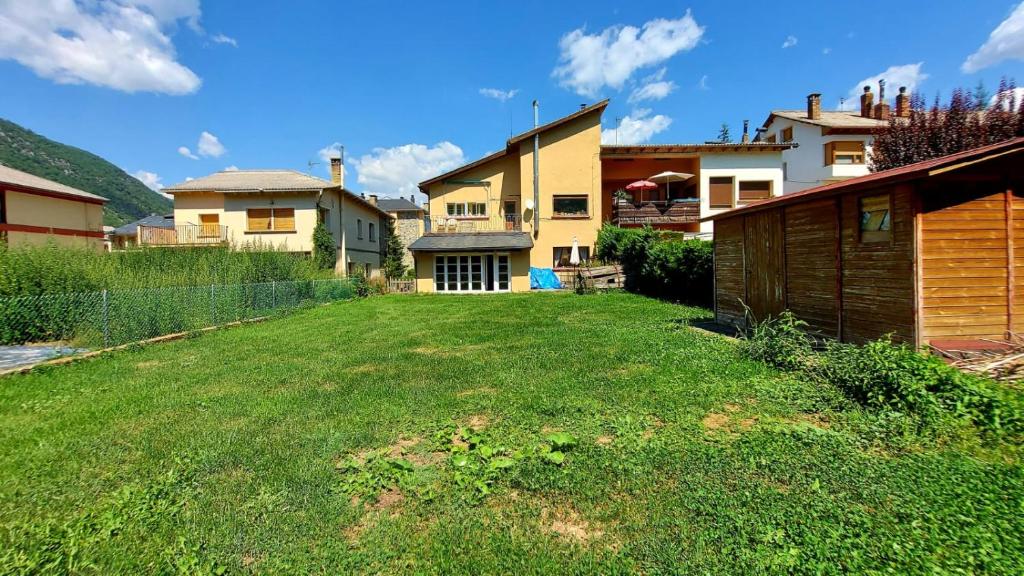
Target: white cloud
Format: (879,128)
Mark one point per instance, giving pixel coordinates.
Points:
(637,128)
(152,181)
(210,146)
(499,94)
(654,87)
(909,75)
(589,62)
(121,45)
(333,150)
(702,84)
(224,39)
(231,168)
(1006,42)
(184,151)
(397,171)
(1015,97)
(189,179)
(790,41)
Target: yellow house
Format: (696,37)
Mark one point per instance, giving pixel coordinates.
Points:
(278,209)
(493,219)
(35,210)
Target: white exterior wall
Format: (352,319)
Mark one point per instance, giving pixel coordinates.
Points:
(805,164)
(753,166)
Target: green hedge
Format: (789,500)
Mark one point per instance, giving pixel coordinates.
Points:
(659,264)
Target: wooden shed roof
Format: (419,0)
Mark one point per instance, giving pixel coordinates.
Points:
(909,172)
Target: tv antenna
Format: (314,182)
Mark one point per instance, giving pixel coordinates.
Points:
(309,166)
(618,122)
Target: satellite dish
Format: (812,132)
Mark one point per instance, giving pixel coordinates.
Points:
(529,204)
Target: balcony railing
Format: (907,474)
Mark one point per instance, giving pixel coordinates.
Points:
(183,235)
(506,223)
(680,211)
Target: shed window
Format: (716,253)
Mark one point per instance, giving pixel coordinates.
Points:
(571,206)
(875,219)
(787,134)
(844,153)
(720,193)
(753,190)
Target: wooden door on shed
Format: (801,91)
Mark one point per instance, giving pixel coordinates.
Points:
(765,263)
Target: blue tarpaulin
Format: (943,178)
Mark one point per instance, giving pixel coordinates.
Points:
(544,279)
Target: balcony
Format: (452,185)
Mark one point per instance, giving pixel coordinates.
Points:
(183,235)
(505,223)
(677,211)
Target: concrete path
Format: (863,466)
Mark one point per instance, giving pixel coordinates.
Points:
(14,356)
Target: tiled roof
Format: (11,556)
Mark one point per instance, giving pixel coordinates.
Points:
(152,221)
(903,173)
(470,242)
(14,177)
(629,149)
(830,119)
(253,181)
(397,205)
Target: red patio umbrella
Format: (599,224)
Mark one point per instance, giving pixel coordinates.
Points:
(640,186)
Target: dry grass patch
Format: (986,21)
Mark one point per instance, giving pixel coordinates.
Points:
(477,391)
(369,368)
(567,524)
(449,351)
(729,423)
(148,364)
(604,440)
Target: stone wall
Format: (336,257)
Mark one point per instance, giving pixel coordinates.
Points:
(409,227)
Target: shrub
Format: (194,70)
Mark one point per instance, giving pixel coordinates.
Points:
(662,266)
(609,242)
(394,263)
(360,285)
(887,377)
(325,254)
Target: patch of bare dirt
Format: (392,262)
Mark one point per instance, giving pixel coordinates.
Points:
(604,440)
(715,421)
(390,500)
(478,421)
(567,524)
(248,561)
(731,407)
(400,448)
(747,423)
(814,419)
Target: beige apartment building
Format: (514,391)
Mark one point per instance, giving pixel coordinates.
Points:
(35,210)
(279,209)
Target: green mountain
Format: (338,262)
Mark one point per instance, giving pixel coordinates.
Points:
(129,199)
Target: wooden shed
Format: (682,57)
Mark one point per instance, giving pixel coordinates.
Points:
(929,252)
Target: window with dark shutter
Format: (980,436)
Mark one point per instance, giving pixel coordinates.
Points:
(720,191)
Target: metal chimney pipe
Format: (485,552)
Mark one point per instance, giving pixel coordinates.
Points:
(536,169)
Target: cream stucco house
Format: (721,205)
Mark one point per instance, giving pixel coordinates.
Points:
(278,208)
(35,210)
(493,219)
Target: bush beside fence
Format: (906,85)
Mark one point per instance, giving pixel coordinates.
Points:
(660,265)
(118,316)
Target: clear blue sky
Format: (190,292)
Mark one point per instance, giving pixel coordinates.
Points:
(399,83)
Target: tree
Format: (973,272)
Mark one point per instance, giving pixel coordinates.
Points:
(981,96)
(963,124)
(723,134)
(394,256)
(325,254)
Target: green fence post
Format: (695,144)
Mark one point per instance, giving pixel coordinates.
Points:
(213,305)
(106,319)
(273,295)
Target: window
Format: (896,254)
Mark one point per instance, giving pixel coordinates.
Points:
(786,135)
(562,253)
(471,273)
(571,206)
(466,209)
(366,270)
(844,153)
(720,193)
(209,225)
(270,219)
(770,139)
(753,190)
(323,215)
(875,221)
(785,170)
(373,232)
(359,228)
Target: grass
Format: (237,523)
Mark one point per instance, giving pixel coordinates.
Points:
(414,435)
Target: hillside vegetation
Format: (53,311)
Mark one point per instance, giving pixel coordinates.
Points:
(129,199)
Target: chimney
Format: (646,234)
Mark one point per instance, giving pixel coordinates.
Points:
(814,106)
(338,169)
(881,109)
(583,106)
(902,103)
(867,100)
(746,131)
(373,199)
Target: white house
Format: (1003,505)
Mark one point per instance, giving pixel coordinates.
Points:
(831,145)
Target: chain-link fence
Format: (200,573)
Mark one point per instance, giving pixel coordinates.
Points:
(112,317)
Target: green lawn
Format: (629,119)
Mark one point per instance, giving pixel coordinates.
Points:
(337,440)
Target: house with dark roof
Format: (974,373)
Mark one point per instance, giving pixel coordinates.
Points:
(829,146)
(408,220)
(280,209)
(524,206)
(35,210)
(131,234)
(928,252)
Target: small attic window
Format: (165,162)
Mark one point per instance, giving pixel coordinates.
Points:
(875,218)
